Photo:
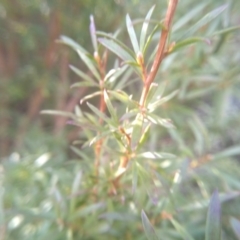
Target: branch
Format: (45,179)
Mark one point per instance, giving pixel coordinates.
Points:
(161,49)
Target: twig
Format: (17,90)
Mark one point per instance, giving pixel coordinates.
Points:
(161,50)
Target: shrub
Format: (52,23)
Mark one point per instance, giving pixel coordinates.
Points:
(154,149)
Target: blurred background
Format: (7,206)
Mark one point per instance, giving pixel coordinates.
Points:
(35,75)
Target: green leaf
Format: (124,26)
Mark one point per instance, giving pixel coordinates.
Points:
(151,93)
(229,152)
(83,84)
(136,132)
(121,44)
(226,31)
(101,115)
(58,113)
(124,97)
(116,48)
(181,230)
(90,96)
(187,42)
(213,225)
(110,107)
(148,228)
(80,153)
(149,39)
(190,14)
(71,43)
(206,19)
(132,34)
(113,74)
(83,75)
(85,211)
(89,63)
(165,122)
(235,224)
(92,29)
(145,28)
(155,155)
(134,177)
(153,106)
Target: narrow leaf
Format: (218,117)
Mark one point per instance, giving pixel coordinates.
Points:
(148,228)
(145,28)
(191,13)
(58,113)
(181,230)
(235,223)
(110,107)
(187,42)
(100,114)
(92,29)
(153,106)
(90,96)
(89,63)
(206,19)
(121,44)
(71,43)
(81,74)
(226,31)
(132,34)
(116,48)
(213,226)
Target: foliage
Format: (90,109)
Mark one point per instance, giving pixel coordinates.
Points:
(157,146)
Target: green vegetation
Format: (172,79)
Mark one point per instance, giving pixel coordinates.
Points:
(156,134)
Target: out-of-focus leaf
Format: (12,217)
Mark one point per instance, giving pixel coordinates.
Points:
(190,14)
(83,75)
(155,155)
(123,97)
(203,203)
(100,114)
(151,93)
(149,39)
(92,29)
(165,122)
(68,41)
(226,31)
(157,103)
(91,209)
(110,107)
(2,215)
(204,20)
(114,74)
(58,113)
(80,153)
(181,230)
(229,152)
(187,42)
(235,223)
(89,63)
(90,96)
(148,228)
(83,84)
(200,92)
(145,28)
(137,127)
(134,177)
(213,225)
(132,34)
(116,48)
(118,42)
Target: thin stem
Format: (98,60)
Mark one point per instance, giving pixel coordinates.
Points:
(149,78)
(102,106)
(161,50)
